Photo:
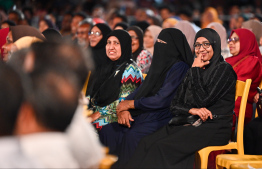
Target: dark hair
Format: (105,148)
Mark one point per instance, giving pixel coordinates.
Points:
(119,15)
(11,96)
(186,11)
(9,22)
(54,97)
(18,13)
(81,14)
(68,56)
(169,7)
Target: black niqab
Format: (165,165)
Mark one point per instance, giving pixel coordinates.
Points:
(171,47)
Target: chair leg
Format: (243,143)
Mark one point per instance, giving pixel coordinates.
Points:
(201,160)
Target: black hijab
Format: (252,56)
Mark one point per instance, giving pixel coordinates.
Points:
(52,35)
(139,34)
(110,88)
(124,25)
(100,58)
(171,47)
(213,37)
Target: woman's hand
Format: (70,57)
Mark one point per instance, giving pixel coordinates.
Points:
(95,116)
(125,105)
(256,97)
(124,117)
(203,113)
(198,62)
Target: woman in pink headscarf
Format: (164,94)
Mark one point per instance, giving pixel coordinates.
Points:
(3,35)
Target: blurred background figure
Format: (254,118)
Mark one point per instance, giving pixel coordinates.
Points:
(7,24)
(256,27)
(220,29)
(210,15)
(65,25)
(188,30)
(150,37)
(169,23)
(82,32)
(45,24)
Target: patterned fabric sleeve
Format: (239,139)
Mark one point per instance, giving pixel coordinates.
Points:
(144,60)
(131,79)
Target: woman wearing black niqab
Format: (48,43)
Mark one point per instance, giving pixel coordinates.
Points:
(207,90)
(151,101)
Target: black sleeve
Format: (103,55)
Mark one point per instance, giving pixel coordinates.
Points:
(221,81)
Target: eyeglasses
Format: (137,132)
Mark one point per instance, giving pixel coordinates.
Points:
(134,37)
(234,40)
(205,45)
(95,33)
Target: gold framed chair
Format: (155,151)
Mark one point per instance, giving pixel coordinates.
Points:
(144,75)
(236,160)
(260,86)
(108,160)
(242,90)
(86,83)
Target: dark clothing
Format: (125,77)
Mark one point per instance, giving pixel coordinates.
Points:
(170,48)
(212,88)
(253,137)
(121,140)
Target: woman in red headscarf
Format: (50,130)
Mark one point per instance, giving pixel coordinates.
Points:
(3,35)
(246,61)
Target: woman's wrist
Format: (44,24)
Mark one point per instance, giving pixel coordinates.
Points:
(131,104)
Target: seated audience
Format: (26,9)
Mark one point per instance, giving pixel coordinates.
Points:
(147,109)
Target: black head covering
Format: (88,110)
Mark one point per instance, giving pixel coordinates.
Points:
(171,47)
(110,88)
(139,33)
(100,58)
(105,30)
(143,25)
(52,35)
(124,25)
(213,37)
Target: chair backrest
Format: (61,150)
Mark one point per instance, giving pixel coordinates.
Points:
(86,83)
(144,75)
(260,86)
(242,90)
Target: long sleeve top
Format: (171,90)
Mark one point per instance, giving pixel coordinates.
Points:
(216,94)
(162,100)
(131,79)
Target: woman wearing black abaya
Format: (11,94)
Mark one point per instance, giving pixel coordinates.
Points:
(207,90)
(147,109)
(97,38)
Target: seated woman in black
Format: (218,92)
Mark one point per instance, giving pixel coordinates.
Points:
(207,90)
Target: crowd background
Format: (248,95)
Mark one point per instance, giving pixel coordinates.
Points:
(231,12)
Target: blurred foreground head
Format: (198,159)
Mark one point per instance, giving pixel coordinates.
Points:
(10,98)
